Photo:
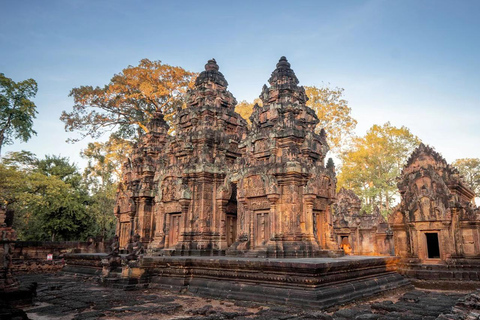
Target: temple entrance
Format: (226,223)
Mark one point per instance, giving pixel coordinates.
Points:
(262,228)
(345,245)
(174,229)
(433,247)
(231,226)
(318,228)
(231,217)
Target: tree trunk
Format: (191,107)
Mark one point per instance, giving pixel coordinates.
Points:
(1,142)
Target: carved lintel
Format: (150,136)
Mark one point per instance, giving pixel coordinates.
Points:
(273,198)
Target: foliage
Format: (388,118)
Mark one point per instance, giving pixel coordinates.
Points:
(24,160)
(334,115)
(51,199)
(46,208)
(105,159)
(101,209)
(128,102)
(102,173)
(245,109)
(470,169)
(17,111)
(373,162)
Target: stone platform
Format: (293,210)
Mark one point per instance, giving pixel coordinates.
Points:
(451,273)
(315,282)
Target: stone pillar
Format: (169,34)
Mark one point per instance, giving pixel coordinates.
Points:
(308,200)
(141,218)
(221,221)
(275,217)
(159,237)
(185,204)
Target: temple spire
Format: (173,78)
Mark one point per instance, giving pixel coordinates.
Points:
(211,73)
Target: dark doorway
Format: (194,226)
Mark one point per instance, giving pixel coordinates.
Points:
(432,246)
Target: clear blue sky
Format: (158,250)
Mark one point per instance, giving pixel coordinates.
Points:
(413,63)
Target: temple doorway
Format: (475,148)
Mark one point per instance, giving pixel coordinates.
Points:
(345,245)
(174,229)
(231,226)
(262,228)
(433,247)
(318,227)
(231,217)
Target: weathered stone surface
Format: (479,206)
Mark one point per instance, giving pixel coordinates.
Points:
(214,188)
(467,308)
(319,282)
(284,190)
(81,298)
(360,233)
(436,226)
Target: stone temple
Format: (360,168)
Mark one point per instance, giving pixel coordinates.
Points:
(436,226)
(224,210)
(217,188)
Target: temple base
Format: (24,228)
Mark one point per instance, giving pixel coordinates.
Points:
(459,272)
(318,282)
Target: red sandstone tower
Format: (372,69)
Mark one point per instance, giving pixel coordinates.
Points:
(189,220)
(284,189)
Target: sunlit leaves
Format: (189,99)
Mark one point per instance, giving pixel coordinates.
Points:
(373,162)
(470,169)
(128,102)
(334,115)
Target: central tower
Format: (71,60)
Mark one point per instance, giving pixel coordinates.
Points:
(284,190)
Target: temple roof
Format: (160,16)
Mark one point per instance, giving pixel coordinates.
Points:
(283,75)
(426,150)
(211,73)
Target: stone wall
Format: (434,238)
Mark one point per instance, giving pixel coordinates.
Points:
(360,233)
(31,256)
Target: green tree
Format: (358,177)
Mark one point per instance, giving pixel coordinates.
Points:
(334,115)
(17,111)
(128,102)
(105,159)
(48,197)
(470,169)
(373,162)
(102,174)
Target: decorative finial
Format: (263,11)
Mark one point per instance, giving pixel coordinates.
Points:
(211,65)
(283,63)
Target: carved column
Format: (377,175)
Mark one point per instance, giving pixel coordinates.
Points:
(141,218)
(308,200)
(222,225)
(185,204)
(275,217)
(159,237)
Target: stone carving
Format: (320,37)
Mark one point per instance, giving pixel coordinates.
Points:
(7,242)
(436,221)
(136,191)
(215,186)
(112,260)
(360,233)
(135,248)
(284,169)
(114,248)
